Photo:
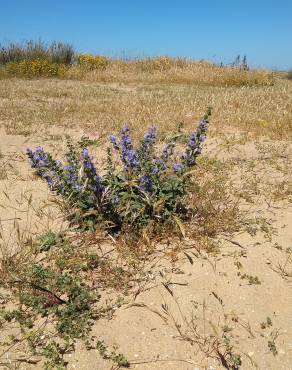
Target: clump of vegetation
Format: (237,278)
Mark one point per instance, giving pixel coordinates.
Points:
(56,52)
(267,323)
(92,62)
(46,293)
(49,240)
(53,303)
(36,59)
(140,191)
(117,358)
(252,280)
(36,68)
(289,75)
(272,342)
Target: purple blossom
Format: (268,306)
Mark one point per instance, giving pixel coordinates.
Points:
(194,147)
(146,183)
(125,130)
(39,158)
(150,136)
(167,151)
(45,167)
(71,177)
(113,140)
(159,165)
(128,155)
(145,150)
(177,167)
(94,180)
(49,181)
(115,200)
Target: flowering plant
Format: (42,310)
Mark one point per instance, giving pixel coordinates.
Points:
(91,62)
(36,68)
(141,188)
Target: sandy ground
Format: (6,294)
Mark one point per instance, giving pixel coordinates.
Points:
(211,287)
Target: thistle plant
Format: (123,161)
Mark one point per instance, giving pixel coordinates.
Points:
(139,186)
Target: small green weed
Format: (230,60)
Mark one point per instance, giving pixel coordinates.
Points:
(49,240)
(268,323)
(252,280)
(115,357)
(272,342)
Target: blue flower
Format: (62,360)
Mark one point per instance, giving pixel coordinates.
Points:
(39,158)
(146,183)
(94,181)
(159,165)
(194,148)
(167,151)
(177,167)
(115,200)
(150,136)
(49,181)
(129,156)
(113,140)
(125,130)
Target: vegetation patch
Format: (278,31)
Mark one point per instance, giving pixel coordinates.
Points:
(139,192)
(36,68)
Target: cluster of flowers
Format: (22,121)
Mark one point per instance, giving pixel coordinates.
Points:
(36,67)
(91,62)
(78,179)
(132,158)
(114,192)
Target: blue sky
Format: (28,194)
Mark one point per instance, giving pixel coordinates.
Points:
(206,29)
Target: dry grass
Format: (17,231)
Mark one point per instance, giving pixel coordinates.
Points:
(161,70)
(101,108)
(166,70)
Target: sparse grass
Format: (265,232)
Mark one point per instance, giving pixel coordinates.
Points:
(284,268)
(205,335)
